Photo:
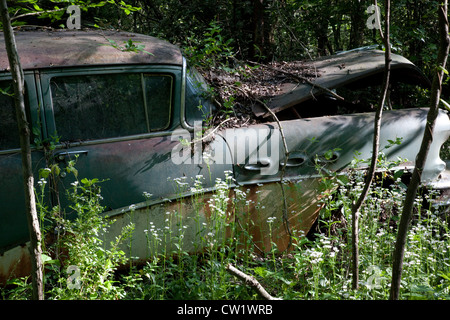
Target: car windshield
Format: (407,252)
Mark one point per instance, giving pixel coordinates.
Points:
(198,100)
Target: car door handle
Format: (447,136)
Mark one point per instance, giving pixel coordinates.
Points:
(61,156)
(294,161)
(260,163)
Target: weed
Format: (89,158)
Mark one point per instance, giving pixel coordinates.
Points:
(213,50)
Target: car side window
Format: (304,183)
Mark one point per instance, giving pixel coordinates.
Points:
(9,134)
(89,107)
(158,96)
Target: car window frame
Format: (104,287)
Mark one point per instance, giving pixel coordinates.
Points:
(46,75)
(32,106)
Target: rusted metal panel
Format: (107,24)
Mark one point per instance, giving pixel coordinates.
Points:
(15,263)
(65,48)
(193,224)
(268,222)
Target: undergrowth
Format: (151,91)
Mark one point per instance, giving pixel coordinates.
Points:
(80,265)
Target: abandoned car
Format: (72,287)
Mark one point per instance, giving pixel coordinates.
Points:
(123,116)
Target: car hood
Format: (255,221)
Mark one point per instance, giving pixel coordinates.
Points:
(355,67)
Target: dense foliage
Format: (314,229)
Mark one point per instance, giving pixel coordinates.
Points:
(286,29)
(270,29)
(255,30)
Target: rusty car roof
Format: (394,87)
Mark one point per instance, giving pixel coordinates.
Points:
(340,70)
(63,48)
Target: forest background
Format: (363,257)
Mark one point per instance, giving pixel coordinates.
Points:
(263,29)
(257,30)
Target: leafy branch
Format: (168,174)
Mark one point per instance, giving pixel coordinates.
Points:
(28,8)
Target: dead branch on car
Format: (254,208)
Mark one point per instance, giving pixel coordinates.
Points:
(301,79)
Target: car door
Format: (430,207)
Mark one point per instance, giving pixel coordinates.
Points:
(13,221)
(118,124)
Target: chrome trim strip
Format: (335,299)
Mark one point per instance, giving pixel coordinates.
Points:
(183,121)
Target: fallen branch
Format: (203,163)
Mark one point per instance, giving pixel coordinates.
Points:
(211,132)
(251,281)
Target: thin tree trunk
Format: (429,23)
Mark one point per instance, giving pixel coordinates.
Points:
(376,142)
(322,35)
(423,152)
(357,17)
(24,133)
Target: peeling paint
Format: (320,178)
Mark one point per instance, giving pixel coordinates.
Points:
(193,218)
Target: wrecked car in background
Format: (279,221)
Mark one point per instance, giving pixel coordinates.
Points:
(122,116)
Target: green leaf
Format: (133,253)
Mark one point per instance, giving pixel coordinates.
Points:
(440,68)
(398,174)
(36,131)
(443,275)
(46,260)
(89,183)
(71,169)
(446,105)
(261,271)
(55,169)
(44,173)
(7,92)
(343,180)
